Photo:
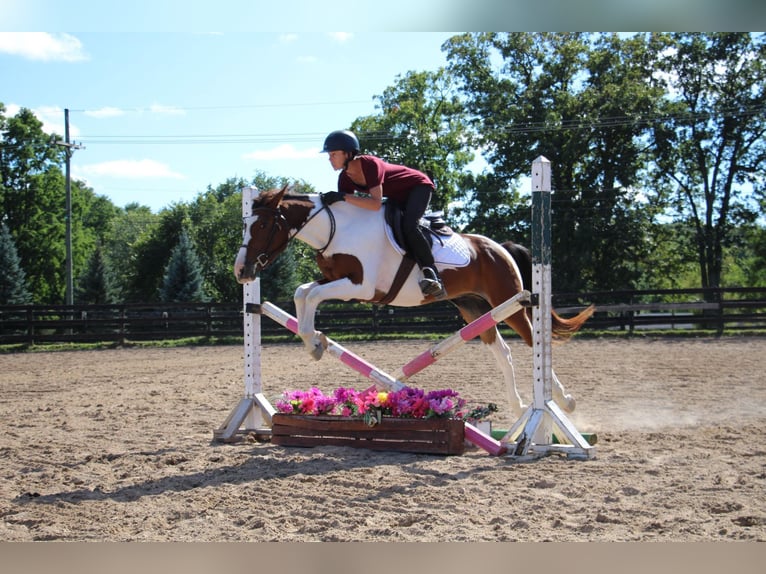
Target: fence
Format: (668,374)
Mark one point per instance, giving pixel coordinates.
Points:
(741,309)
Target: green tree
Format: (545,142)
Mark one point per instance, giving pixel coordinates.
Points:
(572,98)
(13,285)
(151,253)
(183,279)
(422,125)
(709,146)
(32,202)
(125,230)
(95,285)
(493,208)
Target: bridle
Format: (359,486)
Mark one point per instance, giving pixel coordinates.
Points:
(279,222)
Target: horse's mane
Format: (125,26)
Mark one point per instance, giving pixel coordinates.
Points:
(267,197)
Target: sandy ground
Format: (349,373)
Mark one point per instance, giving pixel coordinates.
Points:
(117,445)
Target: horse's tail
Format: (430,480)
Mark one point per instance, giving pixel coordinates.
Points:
(561,329)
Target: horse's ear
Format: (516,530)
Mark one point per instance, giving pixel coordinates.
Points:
(282,192)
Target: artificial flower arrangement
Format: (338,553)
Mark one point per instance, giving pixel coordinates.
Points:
(371,404)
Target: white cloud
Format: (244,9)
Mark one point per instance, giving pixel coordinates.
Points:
(129,169)
(106,112)
(288,38)
(283,152)
(341,37)
(307,59)
(42,46)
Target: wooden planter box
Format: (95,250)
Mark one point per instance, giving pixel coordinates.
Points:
(428,436)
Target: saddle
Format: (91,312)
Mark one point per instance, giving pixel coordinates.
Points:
(432,224)
(434,228)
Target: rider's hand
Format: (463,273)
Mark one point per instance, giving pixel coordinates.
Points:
(331,197)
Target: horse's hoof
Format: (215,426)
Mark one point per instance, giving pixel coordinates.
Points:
(320,344)
(316,352)
(569,403)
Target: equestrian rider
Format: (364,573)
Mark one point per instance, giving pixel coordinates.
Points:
(408,187)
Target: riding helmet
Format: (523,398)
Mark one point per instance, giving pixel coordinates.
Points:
(343,140)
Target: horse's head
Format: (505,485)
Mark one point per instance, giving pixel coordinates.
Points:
(265,235)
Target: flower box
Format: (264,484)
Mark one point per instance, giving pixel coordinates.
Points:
(427,436)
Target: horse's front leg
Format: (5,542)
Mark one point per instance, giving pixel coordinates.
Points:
(313,340)
(300,297)
(307,299)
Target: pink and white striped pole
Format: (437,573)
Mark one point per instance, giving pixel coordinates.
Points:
(347,357)
(470,331)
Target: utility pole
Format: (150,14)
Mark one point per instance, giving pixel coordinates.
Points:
(69,149)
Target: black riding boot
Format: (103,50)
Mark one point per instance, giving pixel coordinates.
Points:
(431,283)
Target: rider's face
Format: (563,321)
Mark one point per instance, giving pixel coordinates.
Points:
(337,159)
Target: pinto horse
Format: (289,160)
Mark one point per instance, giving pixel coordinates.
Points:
(359,259)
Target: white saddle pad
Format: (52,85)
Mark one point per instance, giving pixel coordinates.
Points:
(451,251)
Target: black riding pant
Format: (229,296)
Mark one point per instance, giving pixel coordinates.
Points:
(414,208)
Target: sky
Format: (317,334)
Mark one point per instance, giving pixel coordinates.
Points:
(162,116)
(169,97)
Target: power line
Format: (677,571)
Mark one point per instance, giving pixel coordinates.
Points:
(299,137)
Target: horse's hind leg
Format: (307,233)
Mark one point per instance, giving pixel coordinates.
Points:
(520,322)
(563,399)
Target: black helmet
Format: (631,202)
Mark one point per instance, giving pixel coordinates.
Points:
(344,140)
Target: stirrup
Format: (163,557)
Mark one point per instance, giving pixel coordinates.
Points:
(429,274)
(430,284)
(429,287)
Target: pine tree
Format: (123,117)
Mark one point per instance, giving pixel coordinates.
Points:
(183,280)
(13,284)
(95,285)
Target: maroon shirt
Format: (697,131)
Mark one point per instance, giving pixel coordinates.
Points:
(397,180)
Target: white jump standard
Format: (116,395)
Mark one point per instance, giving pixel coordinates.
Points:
(254,411)
(532,435)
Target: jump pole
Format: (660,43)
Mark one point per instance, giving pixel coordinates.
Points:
(254,411)
(531,437)
(345,356)
(470,331)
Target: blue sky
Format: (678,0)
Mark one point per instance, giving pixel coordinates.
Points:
(172,96)
(163,115)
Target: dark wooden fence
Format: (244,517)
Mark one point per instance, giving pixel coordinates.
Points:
(714,310)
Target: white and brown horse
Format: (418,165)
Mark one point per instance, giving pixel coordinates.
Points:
(359,259)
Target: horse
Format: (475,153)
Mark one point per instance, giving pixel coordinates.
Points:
(359,259)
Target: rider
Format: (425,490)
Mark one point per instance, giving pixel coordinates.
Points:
(408,187)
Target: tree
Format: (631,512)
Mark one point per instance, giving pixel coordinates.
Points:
(151,253)
(95,284)
(119,245)
(32,202)
(13,286)
(421,124)
(183,280)
(572,98)
(709,145)
(493,208)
